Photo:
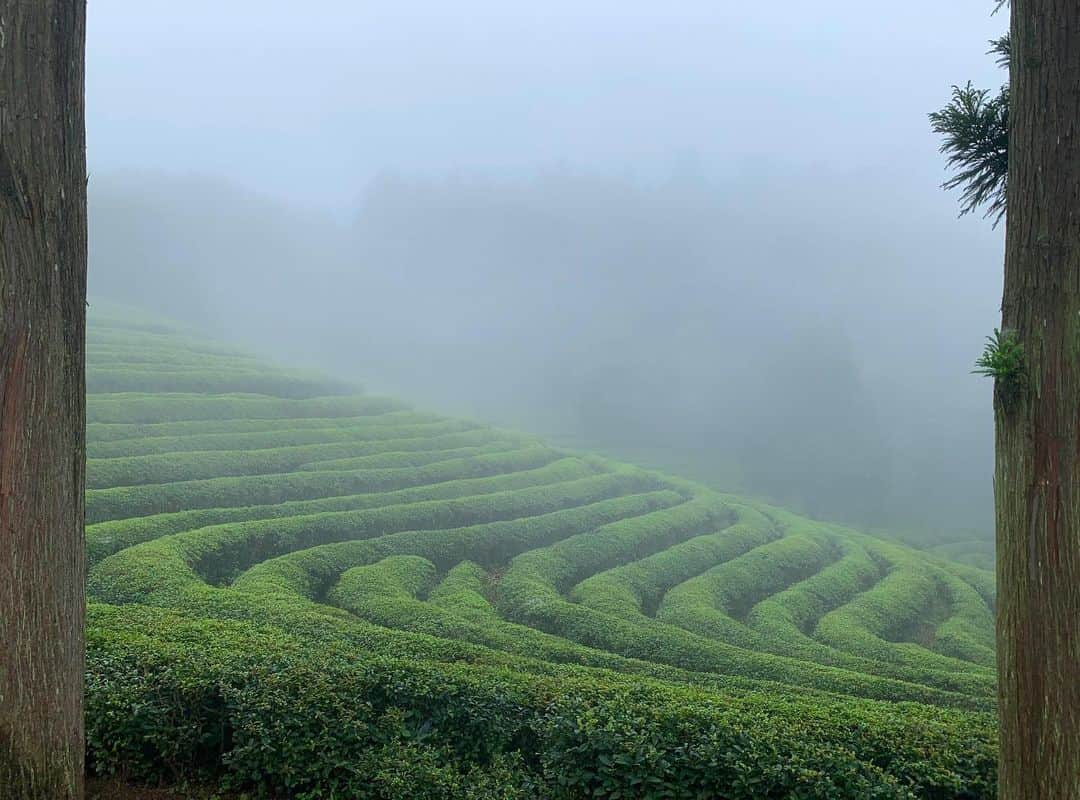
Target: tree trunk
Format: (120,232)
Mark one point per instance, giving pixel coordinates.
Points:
(42,397)
(1037,477)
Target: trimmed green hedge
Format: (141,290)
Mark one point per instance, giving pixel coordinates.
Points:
(105,538)
(638,587)
(708,604)
(524,524)
(144,408)
(789,615)
(104,473)
(150,343)
(102,432)
(220,552)
(257,709)
(209,381)
(420,458)
(363,429)
(127,501)
(529,594)
(458,610)
(875,623)
(968,632)
(158,359)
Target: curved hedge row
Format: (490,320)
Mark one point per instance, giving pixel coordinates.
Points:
(106,538)
(582,508)
(142,500)
(143,408)
(219,552)
(459,610)
(223,381)
(875,624)
(188,466)
(152,343)
(156,359)
(102,432)
(968,632)
(709,604)
(638,587)
(383,426)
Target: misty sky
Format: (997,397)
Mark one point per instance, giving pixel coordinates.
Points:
(309,101)
(575,216)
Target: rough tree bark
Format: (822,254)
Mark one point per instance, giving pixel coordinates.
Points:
(42,397)
(1037,477)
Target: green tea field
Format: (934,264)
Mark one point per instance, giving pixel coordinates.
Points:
(301,590)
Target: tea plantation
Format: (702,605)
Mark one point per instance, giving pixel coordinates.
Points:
(299,590)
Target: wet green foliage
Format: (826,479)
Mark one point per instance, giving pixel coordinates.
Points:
(1003,360)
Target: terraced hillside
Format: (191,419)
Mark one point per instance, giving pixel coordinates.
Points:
(304,591)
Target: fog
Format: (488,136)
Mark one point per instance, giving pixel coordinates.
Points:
(708,237)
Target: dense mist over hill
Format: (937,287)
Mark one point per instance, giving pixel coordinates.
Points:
(709,238)
(805,337)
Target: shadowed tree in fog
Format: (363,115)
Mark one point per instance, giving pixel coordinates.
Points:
(814,437)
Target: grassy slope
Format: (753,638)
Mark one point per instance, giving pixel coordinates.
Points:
(280,501)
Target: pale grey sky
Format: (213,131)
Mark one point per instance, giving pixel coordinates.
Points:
(307,101)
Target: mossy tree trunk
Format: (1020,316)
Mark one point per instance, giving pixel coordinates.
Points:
(42,397)
(1037,477)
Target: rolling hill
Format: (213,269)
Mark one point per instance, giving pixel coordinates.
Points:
(301,590)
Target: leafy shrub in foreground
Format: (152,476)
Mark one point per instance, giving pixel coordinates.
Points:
(255,708)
